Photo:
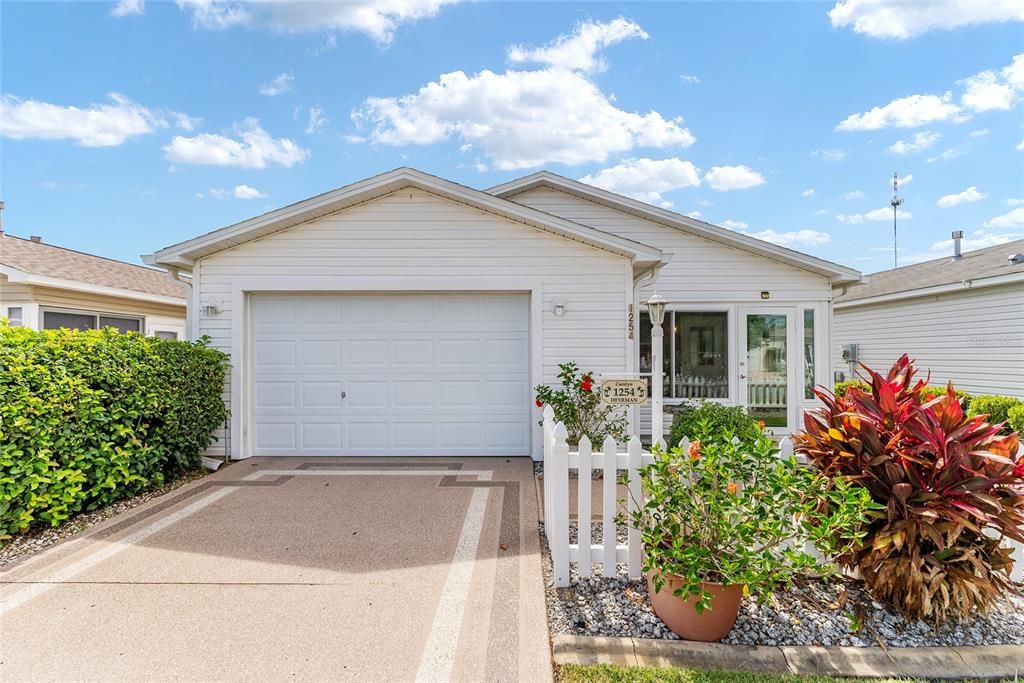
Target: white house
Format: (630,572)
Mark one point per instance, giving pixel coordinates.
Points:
(962,317)
(408,315)
(43,286)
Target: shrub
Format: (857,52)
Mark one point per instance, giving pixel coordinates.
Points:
(89,417)
(944,480)
(1015,418)
(691,418)
(841,387)
(728,510)
(996,409)
(577,404)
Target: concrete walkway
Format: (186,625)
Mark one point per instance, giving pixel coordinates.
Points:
(299,569)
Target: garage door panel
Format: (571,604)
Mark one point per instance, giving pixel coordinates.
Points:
(438,374)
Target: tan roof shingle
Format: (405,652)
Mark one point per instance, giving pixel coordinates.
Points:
(47,260)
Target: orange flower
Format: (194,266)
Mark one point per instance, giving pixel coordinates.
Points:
(694,450)
(732,488)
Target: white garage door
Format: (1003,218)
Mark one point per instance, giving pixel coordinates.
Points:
(403,374)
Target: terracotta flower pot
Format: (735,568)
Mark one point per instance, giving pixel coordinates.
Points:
(681,615)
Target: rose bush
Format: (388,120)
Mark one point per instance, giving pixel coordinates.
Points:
(577,404)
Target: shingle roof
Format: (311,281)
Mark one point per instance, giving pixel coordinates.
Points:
(39,258)
(973,265)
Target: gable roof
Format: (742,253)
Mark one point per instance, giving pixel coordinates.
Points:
(185,253)
(979,268)
(836,272)
(38,263)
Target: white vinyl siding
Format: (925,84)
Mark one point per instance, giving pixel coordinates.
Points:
(700,270)
(974,337)
(431,242)
(705,275)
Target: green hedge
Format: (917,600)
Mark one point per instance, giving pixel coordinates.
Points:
(732,420)
(997,408)
(87,418)
(1015,418)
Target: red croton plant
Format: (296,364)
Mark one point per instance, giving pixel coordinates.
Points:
(952,487)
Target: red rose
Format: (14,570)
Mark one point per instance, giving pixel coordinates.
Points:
(540,403)
(587,384)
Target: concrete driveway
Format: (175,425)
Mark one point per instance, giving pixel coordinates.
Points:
(285,568)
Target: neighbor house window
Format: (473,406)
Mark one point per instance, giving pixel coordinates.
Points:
(82,320)
(165,334)
(14,316)
(696,363)
(808,353)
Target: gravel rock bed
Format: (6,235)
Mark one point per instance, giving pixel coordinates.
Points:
(811,613)
(38,538)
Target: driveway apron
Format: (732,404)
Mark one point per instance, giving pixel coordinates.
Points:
(292,568)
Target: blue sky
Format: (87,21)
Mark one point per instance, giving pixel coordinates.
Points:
(130,126)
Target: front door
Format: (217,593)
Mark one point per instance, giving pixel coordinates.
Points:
(766,357)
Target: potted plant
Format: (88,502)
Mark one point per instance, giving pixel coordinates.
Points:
(724,517)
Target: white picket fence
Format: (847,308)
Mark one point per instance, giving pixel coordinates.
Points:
(766,394)
(558,462)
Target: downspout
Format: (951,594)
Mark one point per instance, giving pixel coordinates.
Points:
(175,275)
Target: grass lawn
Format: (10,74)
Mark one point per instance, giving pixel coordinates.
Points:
(606,673)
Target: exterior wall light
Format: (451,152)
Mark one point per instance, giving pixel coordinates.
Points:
(559,308)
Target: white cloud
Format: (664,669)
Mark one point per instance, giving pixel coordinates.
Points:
(317,121)
(725,178)
(581,49)
(646,179)
(376,19)
(687,79)
(695,214)
(1015,202)
(98,125)
(900,19)
(519,119)
(971,194)
(734,225)
(48,185)
(919,143)
(883,214)
(255,149)
(821,212)
(905,180)
(951,153)
(218,193)
(830,154)
(247,192)
(1013,219)
(280,84)
(124,8)
(809,192)
(980,133)
(184,121)
(1020,146)
(979,239)
(794,238)
(985,91)
(855,194)
(905,112)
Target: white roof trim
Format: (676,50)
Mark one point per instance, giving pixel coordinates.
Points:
(977,283)
(837,273)
(185,253)
(21,276)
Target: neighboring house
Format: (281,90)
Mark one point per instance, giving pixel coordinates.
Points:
(46,287)
(409,315)
(962,317)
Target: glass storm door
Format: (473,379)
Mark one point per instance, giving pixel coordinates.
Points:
(764,367)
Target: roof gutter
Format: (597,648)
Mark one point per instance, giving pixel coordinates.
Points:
(977,283)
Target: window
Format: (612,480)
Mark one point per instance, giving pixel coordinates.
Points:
(808,353)
(165,334)
(696,353)
(80,320)
(14,316)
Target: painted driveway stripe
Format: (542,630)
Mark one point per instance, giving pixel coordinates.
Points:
(106,552)
(439,653)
